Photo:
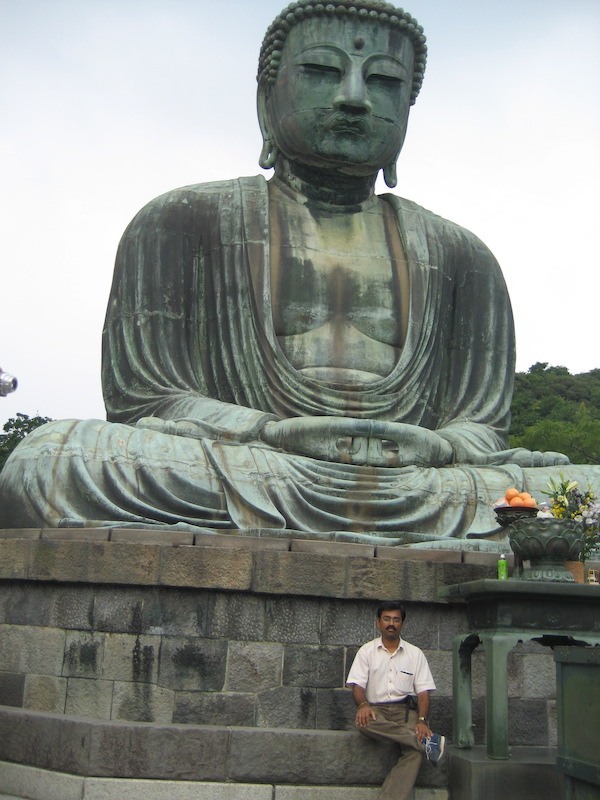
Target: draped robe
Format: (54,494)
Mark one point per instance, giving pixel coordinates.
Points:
(189,335)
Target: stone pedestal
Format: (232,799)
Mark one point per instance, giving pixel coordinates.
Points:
(221,660)
(578,712)
(501,614)
(531,773)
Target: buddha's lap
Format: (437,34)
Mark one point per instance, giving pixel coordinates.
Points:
(88,468)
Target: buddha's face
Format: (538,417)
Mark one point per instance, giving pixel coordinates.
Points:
(342,95)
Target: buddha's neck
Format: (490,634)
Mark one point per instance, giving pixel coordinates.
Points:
(325,187)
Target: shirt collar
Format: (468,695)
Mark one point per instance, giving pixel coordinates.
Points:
(380,644)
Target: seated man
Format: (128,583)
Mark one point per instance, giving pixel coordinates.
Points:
(391,683)
(299,354)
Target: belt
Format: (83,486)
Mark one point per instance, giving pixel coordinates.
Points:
(393,702)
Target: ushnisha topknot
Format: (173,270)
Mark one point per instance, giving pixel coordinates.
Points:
(369,10)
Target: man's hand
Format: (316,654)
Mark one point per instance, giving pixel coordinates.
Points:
(364,715)
(361,442)
(422,730)
(364,712)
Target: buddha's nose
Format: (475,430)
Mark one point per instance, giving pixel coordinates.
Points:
(353,93)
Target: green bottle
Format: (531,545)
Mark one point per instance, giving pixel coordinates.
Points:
(502,568)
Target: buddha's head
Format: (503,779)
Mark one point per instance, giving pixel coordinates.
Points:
(335,86)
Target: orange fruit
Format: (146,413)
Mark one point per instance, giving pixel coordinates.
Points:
(525,495)
(516,501)
(510,493)
(529,502)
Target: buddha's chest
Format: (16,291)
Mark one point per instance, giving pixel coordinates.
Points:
(340,271)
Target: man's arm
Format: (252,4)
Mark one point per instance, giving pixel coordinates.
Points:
(422,728)
(364,712)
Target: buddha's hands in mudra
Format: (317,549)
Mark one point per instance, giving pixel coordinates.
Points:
(359,442)
(345,440)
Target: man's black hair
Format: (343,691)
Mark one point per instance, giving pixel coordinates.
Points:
(391,605)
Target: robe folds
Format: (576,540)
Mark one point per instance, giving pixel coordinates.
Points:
(189,336)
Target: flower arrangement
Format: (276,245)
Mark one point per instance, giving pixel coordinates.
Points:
(567,501)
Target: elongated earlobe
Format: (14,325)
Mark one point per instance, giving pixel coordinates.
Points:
(268,154)
(390,176)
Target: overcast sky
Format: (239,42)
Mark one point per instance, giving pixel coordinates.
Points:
(105,104)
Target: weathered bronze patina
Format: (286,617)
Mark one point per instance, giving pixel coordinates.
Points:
(299,355)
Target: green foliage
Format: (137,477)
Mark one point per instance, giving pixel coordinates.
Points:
(16,429)
(554,410)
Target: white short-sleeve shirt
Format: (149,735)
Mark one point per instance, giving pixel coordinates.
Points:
(389,677)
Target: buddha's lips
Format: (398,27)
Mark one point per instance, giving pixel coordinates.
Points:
(345,124)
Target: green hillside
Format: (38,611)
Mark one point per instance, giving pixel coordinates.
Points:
(554,410)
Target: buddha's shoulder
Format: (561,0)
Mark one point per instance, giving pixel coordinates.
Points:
(409,209)
(419,219)
(207,194)
(196,206)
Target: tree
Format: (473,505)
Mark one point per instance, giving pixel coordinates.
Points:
(554,410)
(16,429)
(579,440)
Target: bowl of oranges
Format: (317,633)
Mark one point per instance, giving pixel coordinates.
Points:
(515,505)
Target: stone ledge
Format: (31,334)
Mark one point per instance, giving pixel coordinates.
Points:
(77,534)
(20,780)
(332,548)
(256,540)
(201,753)
(238,563)
(488,559)
(152,537)
(240,542)
(20,533)
(31,783)
(412,554)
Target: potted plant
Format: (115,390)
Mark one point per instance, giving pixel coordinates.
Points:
(567,501)
(565,528)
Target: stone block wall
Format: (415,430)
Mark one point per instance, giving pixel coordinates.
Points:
(256,632)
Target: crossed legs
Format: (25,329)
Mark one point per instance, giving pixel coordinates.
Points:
(393,724)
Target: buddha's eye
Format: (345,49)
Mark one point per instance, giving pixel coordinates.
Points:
(387,81)
(321,70)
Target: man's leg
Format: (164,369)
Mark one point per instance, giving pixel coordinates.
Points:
(392,724)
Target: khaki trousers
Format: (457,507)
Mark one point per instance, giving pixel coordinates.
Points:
(392,724)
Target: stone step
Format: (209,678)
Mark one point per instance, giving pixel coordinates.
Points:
(287,757)
(224,791)
(245,792)
(32,783)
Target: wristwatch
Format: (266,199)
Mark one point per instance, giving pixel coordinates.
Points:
(423,719)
